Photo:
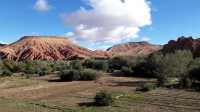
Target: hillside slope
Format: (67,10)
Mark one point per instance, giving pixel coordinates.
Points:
(45,48)
(133,49)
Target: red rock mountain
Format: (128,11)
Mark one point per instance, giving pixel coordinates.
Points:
(134,49)
(61,48)
(183,43)
(46,48)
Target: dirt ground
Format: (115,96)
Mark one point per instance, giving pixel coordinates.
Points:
(50,95)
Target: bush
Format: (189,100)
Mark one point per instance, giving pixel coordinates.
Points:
(75,75)
(30,67)
(38,67)
(103,98)
(76,64)
(101,65)
(117,63)
(43,68)
(147,87)
(6,72)
(174,64)
(127,71)
(186,82)
(195,69)
(88,63)
(60,65)
(96,64)
(70,75)
(1,66)
(130,66)
(10,65)
(89,74)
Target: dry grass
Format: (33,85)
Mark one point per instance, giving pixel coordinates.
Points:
(25,95)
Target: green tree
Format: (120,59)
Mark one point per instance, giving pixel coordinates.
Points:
(171,65)
(195,70)
(76,64)
(103,98)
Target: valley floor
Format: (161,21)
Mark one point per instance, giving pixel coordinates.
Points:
(47,94)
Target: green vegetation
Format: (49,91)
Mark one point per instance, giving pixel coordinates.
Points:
(96,64)
(70,75)
(90,74)
(75,75)
(179,67)
(147,87)
(170,65)
(103,98)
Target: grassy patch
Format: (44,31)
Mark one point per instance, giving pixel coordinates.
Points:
(17,81)
(8,105)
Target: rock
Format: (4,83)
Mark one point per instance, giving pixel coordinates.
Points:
(183,43)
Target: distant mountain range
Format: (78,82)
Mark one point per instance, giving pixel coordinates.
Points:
(133,49)
(61,48)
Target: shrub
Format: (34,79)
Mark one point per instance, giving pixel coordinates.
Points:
(70,75)
(30,67)
(103,98)
(76,64)
(96,64)
(147,87)
(101,65)
(1,66)
(127,71)
(60,65)
(88,63)
(75,75)
(89,74)
(43,68)
(117,63)
(10,65)
(186,82)
(195,69)
(191,80)
(170,65)
(130,66)
(6,72)
(38,67)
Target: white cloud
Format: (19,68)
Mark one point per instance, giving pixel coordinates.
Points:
(42,5)
(109,21)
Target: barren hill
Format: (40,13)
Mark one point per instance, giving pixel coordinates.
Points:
(45,48)
(61,48)
(133,49)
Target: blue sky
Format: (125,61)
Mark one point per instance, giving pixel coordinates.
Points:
(170,19)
